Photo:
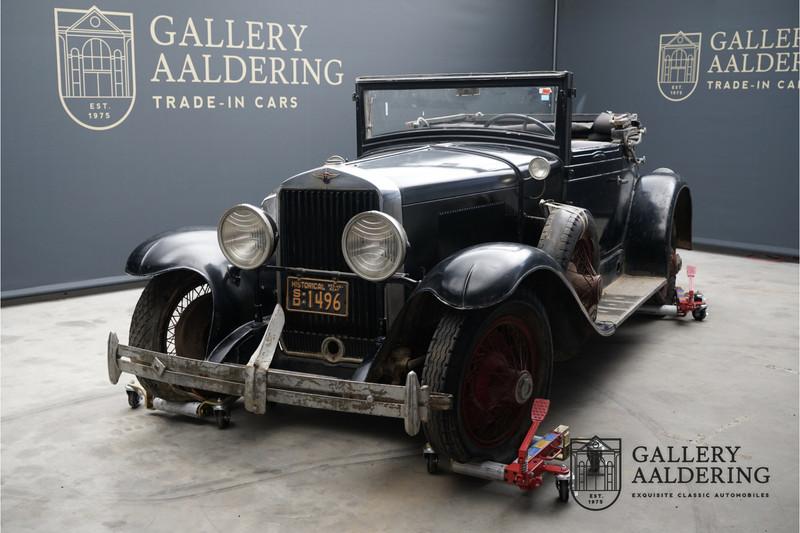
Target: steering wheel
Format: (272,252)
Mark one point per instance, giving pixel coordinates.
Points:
(525,121)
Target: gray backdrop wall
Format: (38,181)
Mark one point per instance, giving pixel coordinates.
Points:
(735,136)
(75,201)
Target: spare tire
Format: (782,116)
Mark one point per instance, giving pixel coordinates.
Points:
(570,237)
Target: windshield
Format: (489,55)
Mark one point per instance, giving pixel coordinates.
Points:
(530,109)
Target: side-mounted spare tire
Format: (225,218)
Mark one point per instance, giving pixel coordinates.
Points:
(570,237)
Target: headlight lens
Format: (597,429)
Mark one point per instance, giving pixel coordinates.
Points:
(246,236)
(374,245)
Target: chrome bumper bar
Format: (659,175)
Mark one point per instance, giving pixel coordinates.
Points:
(258,384)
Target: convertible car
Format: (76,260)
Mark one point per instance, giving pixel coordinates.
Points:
(482,232)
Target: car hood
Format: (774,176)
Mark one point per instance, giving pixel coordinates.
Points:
(429,172)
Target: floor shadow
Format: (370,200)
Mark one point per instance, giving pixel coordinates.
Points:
(598,361)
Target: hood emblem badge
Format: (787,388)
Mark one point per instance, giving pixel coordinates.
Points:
(325,174)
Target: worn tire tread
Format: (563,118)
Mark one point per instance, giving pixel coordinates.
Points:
(143,333)
(454,333)
(441,429)
(560,248)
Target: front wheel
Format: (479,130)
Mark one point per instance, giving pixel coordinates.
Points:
(173,316)
(494,363)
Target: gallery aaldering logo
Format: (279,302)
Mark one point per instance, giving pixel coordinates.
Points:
(699,471)
(742,61)
(96,65)
(596,466)
(678,64)
(682,472)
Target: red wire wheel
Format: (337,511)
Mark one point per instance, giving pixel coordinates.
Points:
(498,381)
(494,363)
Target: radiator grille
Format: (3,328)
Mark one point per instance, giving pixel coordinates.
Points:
(311,225)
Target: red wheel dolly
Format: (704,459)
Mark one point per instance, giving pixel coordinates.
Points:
(684,302)
(537,455)
(691,301)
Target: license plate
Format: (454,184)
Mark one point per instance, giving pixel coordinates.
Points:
(318,296)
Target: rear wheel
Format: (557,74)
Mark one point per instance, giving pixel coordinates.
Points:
(494,363)
(173,316)
(666,295)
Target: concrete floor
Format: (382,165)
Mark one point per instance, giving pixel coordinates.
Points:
(76,458)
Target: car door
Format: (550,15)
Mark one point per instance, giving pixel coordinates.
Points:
(599,179)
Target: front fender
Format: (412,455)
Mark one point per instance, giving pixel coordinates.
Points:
(660,200)
(485,274)
(479,277)
(196,250)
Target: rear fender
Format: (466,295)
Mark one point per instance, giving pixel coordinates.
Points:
(196,250)
(660,200)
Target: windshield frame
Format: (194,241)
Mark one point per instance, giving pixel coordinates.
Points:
(559,144)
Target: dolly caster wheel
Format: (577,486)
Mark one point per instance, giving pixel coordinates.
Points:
(223,418)
(133,399)
(700,314)
(432,461)
(562,485)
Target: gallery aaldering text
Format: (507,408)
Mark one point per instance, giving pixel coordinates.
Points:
(661,465)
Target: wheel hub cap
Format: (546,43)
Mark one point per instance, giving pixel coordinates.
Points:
(524,388)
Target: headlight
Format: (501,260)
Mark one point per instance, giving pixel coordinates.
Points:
(374,245)
(539,168)
(246,236)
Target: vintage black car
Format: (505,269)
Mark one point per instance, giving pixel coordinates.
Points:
(483,232)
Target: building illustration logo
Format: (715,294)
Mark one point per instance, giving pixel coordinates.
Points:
(678,64)
(96,66)
(596,466)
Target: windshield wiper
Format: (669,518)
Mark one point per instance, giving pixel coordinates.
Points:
(423,122)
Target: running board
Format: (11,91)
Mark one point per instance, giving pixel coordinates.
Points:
(624,296)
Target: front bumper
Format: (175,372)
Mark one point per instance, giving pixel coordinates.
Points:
(258,384)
